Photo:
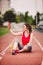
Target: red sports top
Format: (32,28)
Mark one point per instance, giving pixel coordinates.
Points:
(25,40)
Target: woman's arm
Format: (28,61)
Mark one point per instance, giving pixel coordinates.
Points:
(30,38)
(24,49)
(16,33)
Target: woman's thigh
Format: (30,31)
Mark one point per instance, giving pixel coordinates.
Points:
(29,48)
(20,46)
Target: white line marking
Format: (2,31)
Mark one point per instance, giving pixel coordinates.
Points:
(38,43)
(42,62)
(0,58)
(3,52)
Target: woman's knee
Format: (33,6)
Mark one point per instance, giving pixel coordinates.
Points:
(20,46)
(29,48)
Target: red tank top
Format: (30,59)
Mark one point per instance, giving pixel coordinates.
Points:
(25,40)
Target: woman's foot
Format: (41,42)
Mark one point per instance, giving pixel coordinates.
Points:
(13,52)
(17,51)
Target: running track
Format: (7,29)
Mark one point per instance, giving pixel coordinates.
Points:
(33,58)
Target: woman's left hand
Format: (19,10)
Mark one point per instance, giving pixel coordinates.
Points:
(25,47)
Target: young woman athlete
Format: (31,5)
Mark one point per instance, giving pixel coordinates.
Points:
(26,39)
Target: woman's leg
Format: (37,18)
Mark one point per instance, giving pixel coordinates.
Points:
(15,43)
(14,47)
(29,48)
(26,49)
(20,46)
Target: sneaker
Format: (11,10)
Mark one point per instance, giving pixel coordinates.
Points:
(17,51)
(13,52)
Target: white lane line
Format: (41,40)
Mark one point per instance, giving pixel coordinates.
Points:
(3,52)
(42,62)
(2,55)
(38,43)
(0,58)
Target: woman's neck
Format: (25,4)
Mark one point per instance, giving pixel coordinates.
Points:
(26,34)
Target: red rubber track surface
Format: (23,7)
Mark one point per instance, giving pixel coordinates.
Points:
(39,36)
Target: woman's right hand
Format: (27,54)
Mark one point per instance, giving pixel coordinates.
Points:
(9,25)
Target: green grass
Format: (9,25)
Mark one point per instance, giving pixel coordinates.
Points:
(3,31)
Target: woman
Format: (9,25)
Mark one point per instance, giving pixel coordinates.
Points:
(26,40)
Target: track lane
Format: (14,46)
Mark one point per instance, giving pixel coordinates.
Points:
(39,36)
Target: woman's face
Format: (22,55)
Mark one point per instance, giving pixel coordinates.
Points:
(25,29)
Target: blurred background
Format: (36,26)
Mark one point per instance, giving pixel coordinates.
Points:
(20,11)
